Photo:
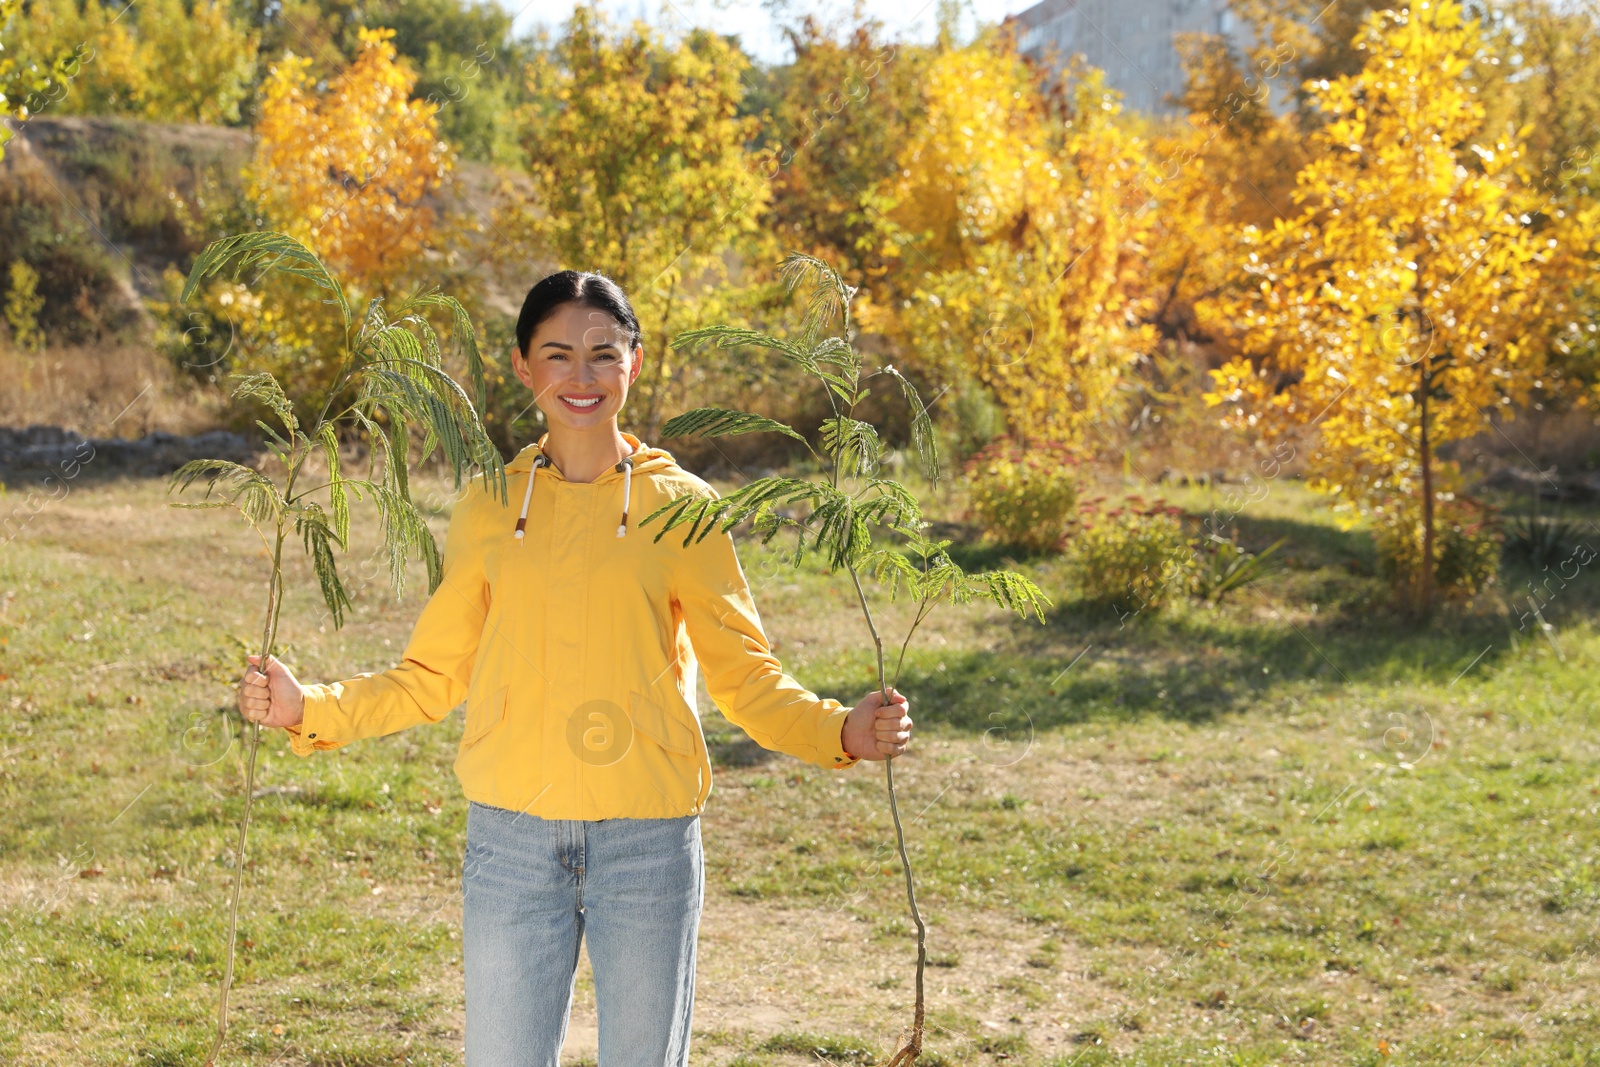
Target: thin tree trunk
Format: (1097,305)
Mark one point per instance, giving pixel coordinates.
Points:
(269,635)
(658,394)
(1426,578)
(908,1053)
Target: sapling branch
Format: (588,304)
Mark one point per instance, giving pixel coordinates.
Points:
(419,391)
(841,522)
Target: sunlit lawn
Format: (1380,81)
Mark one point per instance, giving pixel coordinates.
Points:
(1290,830)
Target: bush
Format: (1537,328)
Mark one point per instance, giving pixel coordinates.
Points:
(1024,496)
(1134,558)
(1539,542)
(1466,548)
(1221,566)
(74,279)
(23,304)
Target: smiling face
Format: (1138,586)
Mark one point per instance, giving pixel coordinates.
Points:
(579,366)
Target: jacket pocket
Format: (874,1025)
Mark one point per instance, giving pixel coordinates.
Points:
(484,716)
(673,727)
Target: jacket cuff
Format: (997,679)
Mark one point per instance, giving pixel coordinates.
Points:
(313,734)
(830,747)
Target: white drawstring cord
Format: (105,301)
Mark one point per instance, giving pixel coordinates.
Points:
(522,520)
(541,460)
(626,466)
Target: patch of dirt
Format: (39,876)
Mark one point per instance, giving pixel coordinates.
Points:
(764,969)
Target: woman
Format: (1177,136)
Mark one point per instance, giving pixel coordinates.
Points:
(574,638)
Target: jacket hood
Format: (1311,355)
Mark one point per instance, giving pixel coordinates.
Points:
(644,459)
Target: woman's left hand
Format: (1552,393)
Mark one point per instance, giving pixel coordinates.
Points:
(875,730)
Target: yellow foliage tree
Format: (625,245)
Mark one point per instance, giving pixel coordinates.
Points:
(28,83)
(111,79)
(1229,163)
(640,172)
(843,110)
(164,60)
(348,171)
(1400,307)
(202,62)
(1026,215)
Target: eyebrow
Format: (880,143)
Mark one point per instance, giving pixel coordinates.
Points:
(568,348)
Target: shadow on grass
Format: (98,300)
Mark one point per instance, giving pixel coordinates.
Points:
(1309,544)
(1192,666)
(1322,621)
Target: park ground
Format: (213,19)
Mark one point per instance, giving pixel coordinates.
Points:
(1293,829)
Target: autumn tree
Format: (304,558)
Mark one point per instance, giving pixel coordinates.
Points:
(1227,159)
(163,60)
(28,83)
(348,171)
(839,115)
(638,170)
(1020,216)
(201,63)
(1399,308)
(463,51)
(1317,38)
(1543,73)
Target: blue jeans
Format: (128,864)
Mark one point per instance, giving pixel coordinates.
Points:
(533,889)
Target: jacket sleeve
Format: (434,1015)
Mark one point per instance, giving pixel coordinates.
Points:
(435,669)
(744,678)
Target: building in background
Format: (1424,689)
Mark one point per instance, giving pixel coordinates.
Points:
(1131,40)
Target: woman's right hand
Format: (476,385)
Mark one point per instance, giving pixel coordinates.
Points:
(271,699)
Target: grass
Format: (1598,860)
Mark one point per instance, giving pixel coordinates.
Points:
(1286,830)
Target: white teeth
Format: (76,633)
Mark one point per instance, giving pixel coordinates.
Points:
(582,403)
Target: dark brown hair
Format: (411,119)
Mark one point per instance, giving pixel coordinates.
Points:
(575,287)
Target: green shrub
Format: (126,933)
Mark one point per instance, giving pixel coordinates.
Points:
(1134,558)
(1024,496)
(1466,548)
(1221,566)
(1540,542)
(23,304)
(79,301)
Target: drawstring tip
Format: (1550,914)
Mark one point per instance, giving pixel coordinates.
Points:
(622,531)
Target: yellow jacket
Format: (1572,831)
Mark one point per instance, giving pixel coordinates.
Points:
(576,646)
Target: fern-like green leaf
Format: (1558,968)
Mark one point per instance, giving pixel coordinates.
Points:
(922,435)
(1012,590)
(838,527)
(278,251)
(261,503)
(853,443)
(404,529)
(726,512)
(263,387)
(462,332)
(739,337)
(838,386)
(890,568)
(312,524)
(899,509)
(394,340)
(397,472)
(837,351)
(829,294)
(891,505)
(721,422)
(409,390)
(328,438)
